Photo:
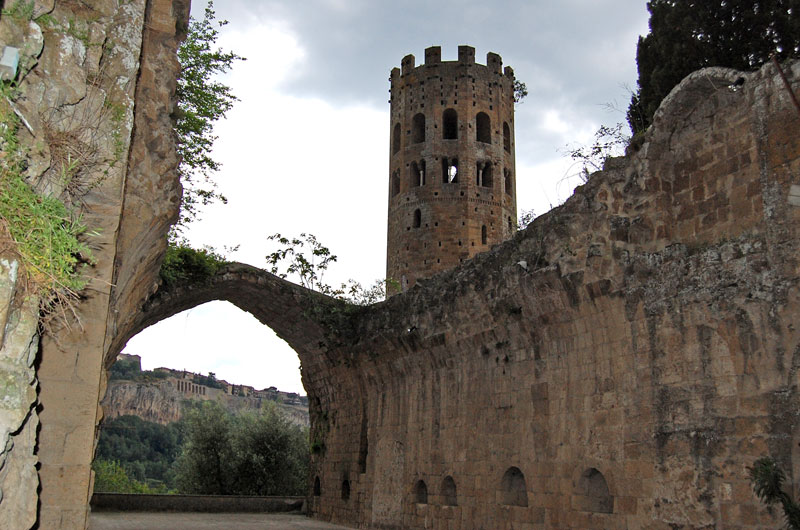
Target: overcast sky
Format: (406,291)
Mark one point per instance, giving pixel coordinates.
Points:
(307,147)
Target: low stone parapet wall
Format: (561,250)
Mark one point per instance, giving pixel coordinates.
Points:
(134,502)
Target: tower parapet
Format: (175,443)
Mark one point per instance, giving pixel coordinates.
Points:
(452,186)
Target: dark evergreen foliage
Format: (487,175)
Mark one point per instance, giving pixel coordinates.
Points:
(686,35)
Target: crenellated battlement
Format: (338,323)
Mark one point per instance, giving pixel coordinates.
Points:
(466,57)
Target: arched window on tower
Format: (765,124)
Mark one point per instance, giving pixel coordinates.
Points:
(396,139)
(418,128)
(317,488)
(449,170)
(483,175)
(417,218)
(395,183)
(416,174)
(483,235)
(450,125)
(483,128)
(507,186)
(506,137)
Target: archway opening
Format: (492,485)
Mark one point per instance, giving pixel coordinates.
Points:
(449,494)
(591,493)
(420,492)
(183,380)
(513,488)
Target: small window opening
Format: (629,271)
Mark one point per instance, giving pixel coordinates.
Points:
(420,492)
(345,490)
(418,128)
(449,496)
(484,174)
(416,174)
(510,225)
(317,487)
(449,170)
(513,489)
(509,189)
(395,183)
(396,139)
(592,493)
(483,235)
(417,218)
(483,128)
(506,137)
(450,124)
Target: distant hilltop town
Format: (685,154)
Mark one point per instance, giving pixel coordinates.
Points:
(157,395)
(203,385)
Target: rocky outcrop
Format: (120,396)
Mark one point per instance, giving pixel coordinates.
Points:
(96,91)
(161,402)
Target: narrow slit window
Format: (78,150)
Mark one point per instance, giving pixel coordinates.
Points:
(483,235)
(506,137)
(418,128)
(450,125)
(417,218)
(483,128)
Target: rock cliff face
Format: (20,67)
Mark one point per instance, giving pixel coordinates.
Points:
(161,402)
(95,78)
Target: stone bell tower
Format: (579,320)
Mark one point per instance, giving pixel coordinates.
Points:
(452,191)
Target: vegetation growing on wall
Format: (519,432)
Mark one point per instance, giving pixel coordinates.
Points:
(45,232)
(183,264)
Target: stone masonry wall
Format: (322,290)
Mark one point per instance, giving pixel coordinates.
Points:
(618,364)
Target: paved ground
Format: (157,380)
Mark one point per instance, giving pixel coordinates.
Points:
(204,521)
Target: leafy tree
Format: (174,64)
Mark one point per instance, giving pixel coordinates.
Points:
(124,369)
(608,142)
(767,480)
(249,454)
(201,102)
(204,463)
(686,35)
(111,477)
(144,449)
(520,91)
(305,259)
(271,454)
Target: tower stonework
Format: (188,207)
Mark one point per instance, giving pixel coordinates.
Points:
(452,187)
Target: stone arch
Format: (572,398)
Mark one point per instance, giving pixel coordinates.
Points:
(483,128)
(418,128)
(396,139)
(449,493)
(450,124)
(592,493)
(513,488)
(420,492)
